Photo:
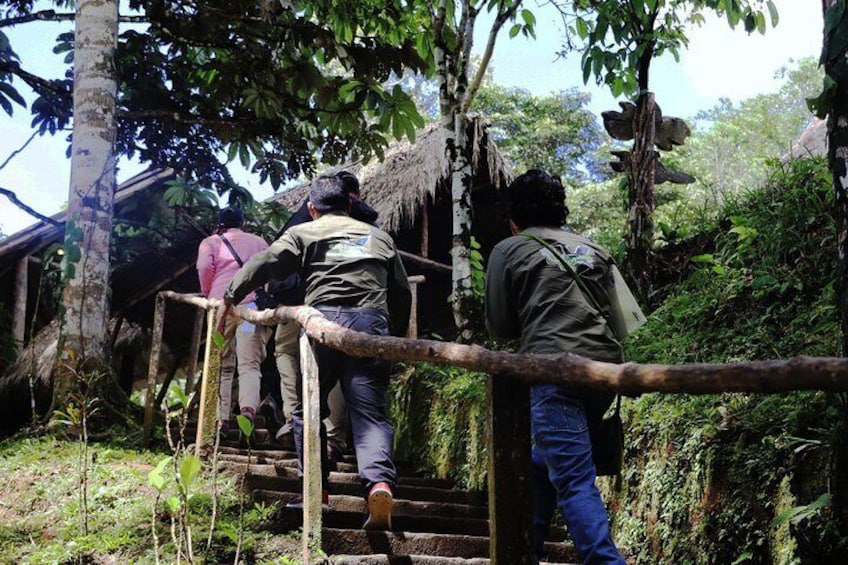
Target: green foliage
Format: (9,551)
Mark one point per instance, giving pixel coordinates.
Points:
(720,478)
(731,144)
(41,510)
(833,59)
(280,88)
(621,38)
(440,415)
(555,133)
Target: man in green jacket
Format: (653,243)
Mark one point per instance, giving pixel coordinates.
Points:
(532,296)
(352,273)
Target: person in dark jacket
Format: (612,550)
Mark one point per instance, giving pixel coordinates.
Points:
(286,346)
(353,274)
(530,295)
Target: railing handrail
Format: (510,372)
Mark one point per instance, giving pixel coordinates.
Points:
(509,537)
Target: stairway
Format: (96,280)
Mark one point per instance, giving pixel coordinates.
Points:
(433,523)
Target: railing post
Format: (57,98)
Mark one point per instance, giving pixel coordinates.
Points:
(414,281)
(194,350)
(210,383)
(311,399)
(153,366)
(510,472)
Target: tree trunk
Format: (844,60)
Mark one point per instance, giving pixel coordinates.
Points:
(641,198)
(461,181)
(92,191)
(837,143)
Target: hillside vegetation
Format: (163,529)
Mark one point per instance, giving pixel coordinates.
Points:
(726,478)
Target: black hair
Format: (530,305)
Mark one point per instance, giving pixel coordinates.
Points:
(230,218)
(536,199)
(350,183)
(327,194)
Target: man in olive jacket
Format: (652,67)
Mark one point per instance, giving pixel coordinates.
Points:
(532,296)
(353,274)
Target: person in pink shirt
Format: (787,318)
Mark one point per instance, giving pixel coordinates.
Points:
(219,258)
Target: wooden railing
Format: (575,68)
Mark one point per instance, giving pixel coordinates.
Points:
(510,518)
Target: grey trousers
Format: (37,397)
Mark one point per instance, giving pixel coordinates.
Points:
(286,351)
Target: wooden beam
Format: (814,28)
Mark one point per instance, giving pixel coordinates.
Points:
(410,259)
(630,379)
(510,473)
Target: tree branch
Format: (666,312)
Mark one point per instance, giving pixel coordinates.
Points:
(53,16)
(11,196)
(17,151)
(34,81)
(501,18)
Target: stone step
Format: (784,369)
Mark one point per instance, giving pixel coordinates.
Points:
(405,508)
(258,481)
(335,477)
(382,559)
(360,542)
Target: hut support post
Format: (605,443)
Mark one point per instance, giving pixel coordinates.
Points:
(153,366)
(311,448)
(209,386)
(20,300)
(414,281)
(194,350)
(425,228)
(510,472)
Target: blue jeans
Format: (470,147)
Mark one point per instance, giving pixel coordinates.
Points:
(565,474)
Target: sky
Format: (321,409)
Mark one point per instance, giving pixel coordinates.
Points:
(720,62)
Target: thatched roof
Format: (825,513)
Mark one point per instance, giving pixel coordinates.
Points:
(42,234)
(399,185)
(813,142)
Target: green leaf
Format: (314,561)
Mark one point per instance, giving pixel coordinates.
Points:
(705,258)
(189,469)
(174,504)
(514,30)
(219,340)
(528,18)
(823,103)
(155,477)
(773,13)
(582,28)
(245,425)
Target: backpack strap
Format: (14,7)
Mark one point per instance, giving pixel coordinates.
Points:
(232,250)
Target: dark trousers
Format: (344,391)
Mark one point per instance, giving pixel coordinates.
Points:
(364,382)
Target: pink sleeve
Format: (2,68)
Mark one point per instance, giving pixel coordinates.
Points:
(205,267)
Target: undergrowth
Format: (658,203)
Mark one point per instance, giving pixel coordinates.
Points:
(740,478)
(40,509)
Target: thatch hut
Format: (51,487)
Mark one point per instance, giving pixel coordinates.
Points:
(29,292)
(410,189)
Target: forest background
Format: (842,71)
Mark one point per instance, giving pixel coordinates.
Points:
(688,492)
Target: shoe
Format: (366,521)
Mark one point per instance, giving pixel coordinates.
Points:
(285,437)
(297,503)
(271,412)
(379,508)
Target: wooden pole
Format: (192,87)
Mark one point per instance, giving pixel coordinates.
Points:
(194,350)
(510,473)
(425,228)
(153,367)
(311,448)
(19,300)
(209,386)
(412,331)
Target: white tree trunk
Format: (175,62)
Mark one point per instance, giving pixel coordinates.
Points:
(92,187)
(461,179)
